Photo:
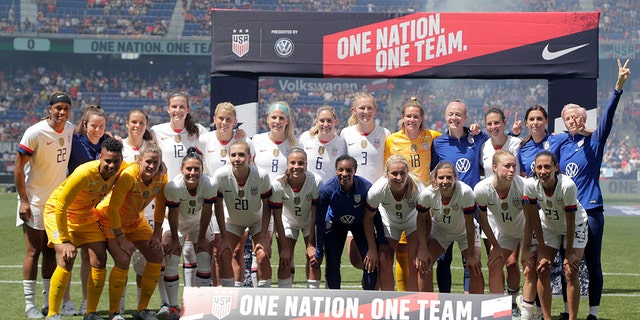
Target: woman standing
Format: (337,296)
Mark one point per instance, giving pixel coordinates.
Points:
(322,145)
(536,120)
(88,136)
(563,224)
(581,157)
(294,202)
(395,196)
(40,166)
(271,148)
(452,203)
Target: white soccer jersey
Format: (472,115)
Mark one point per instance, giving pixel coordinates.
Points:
(243,203)
(448,218)
(321,157)
(512,145)
(367,150)
(47,167)
(296,204)
(553,207)
(174,145)
(190,205)
(214,153)
(269,156)
(507,213)
(398,214)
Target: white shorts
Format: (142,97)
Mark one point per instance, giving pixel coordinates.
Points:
(507,241)
(554,239)
(37,217)
(395,233)
(292,232)
(445,239)
(253,229)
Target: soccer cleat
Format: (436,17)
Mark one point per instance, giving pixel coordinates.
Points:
(164,310)
(56,316)
(93,316)
(69,309)
(83,308)
(592,317)
(33,313)
(116,316)
(45,310)
(174,314)
(563,316)
(524,309)
(145,315)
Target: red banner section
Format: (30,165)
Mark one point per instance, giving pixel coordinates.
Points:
(255,303)
(421,41)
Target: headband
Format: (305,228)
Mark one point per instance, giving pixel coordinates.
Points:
(279,106)
(59,97)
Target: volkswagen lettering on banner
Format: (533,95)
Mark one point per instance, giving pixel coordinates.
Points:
(217,303)
(424,44)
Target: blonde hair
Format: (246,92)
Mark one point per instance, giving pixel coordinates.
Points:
(288,130)
(353,119)
(412,102)
(153,147)
(228,106)
(412,180)
(314,130)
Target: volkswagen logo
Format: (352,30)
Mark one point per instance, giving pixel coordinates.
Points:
(283,47)
(571,169)
(463,165)
(347,219)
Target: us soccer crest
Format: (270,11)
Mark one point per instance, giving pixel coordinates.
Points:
(221,306)
(240,42)
(254,190)
(357,198)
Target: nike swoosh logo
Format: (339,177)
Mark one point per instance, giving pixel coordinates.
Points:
(163,138)
(548,55)
(49,142)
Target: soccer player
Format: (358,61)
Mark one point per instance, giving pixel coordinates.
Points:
(174,138)
(395,195)
(271,148)
(563,224)
(346,195)
(40,166)
(414,142)
(190,197)
(294,202)
(70,223)
(321,143)
(245,190)
(126,229)
(452,204)
(580,158)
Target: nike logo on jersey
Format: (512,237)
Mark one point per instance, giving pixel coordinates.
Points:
(548,55)
(164,138)
(352,143)
(49,142)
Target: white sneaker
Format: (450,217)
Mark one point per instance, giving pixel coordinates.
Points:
(526,309)
(33,313)
(116,316)
(83,308)
(56,316)
(69,309)
(164,310)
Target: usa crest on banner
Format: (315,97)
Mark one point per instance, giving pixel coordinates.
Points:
(221,306)
(240,42)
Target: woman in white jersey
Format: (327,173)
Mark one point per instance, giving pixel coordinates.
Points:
(395,195)
(495,124)
(190,197)
(563,222)
(500,193)
(245,190)
(321,143)
(174,138)
(293,202)
(40,166)
(452,204)
(271,148)
(365,142)
(215,153)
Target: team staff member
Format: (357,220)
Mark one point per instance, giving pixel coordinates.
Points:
(453,205)
(539,139)
(413,141)
(581,157)
(562,224)
(395,195)
(70,223)
(345,194)
(126,228)
(245,190)
(40,166)
(293,203)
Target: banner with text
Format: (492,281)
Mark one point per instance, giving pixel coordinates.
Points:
(374,45)
(257,303)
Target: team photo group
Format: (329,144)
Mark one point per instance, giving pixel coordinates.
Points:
(397,202)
